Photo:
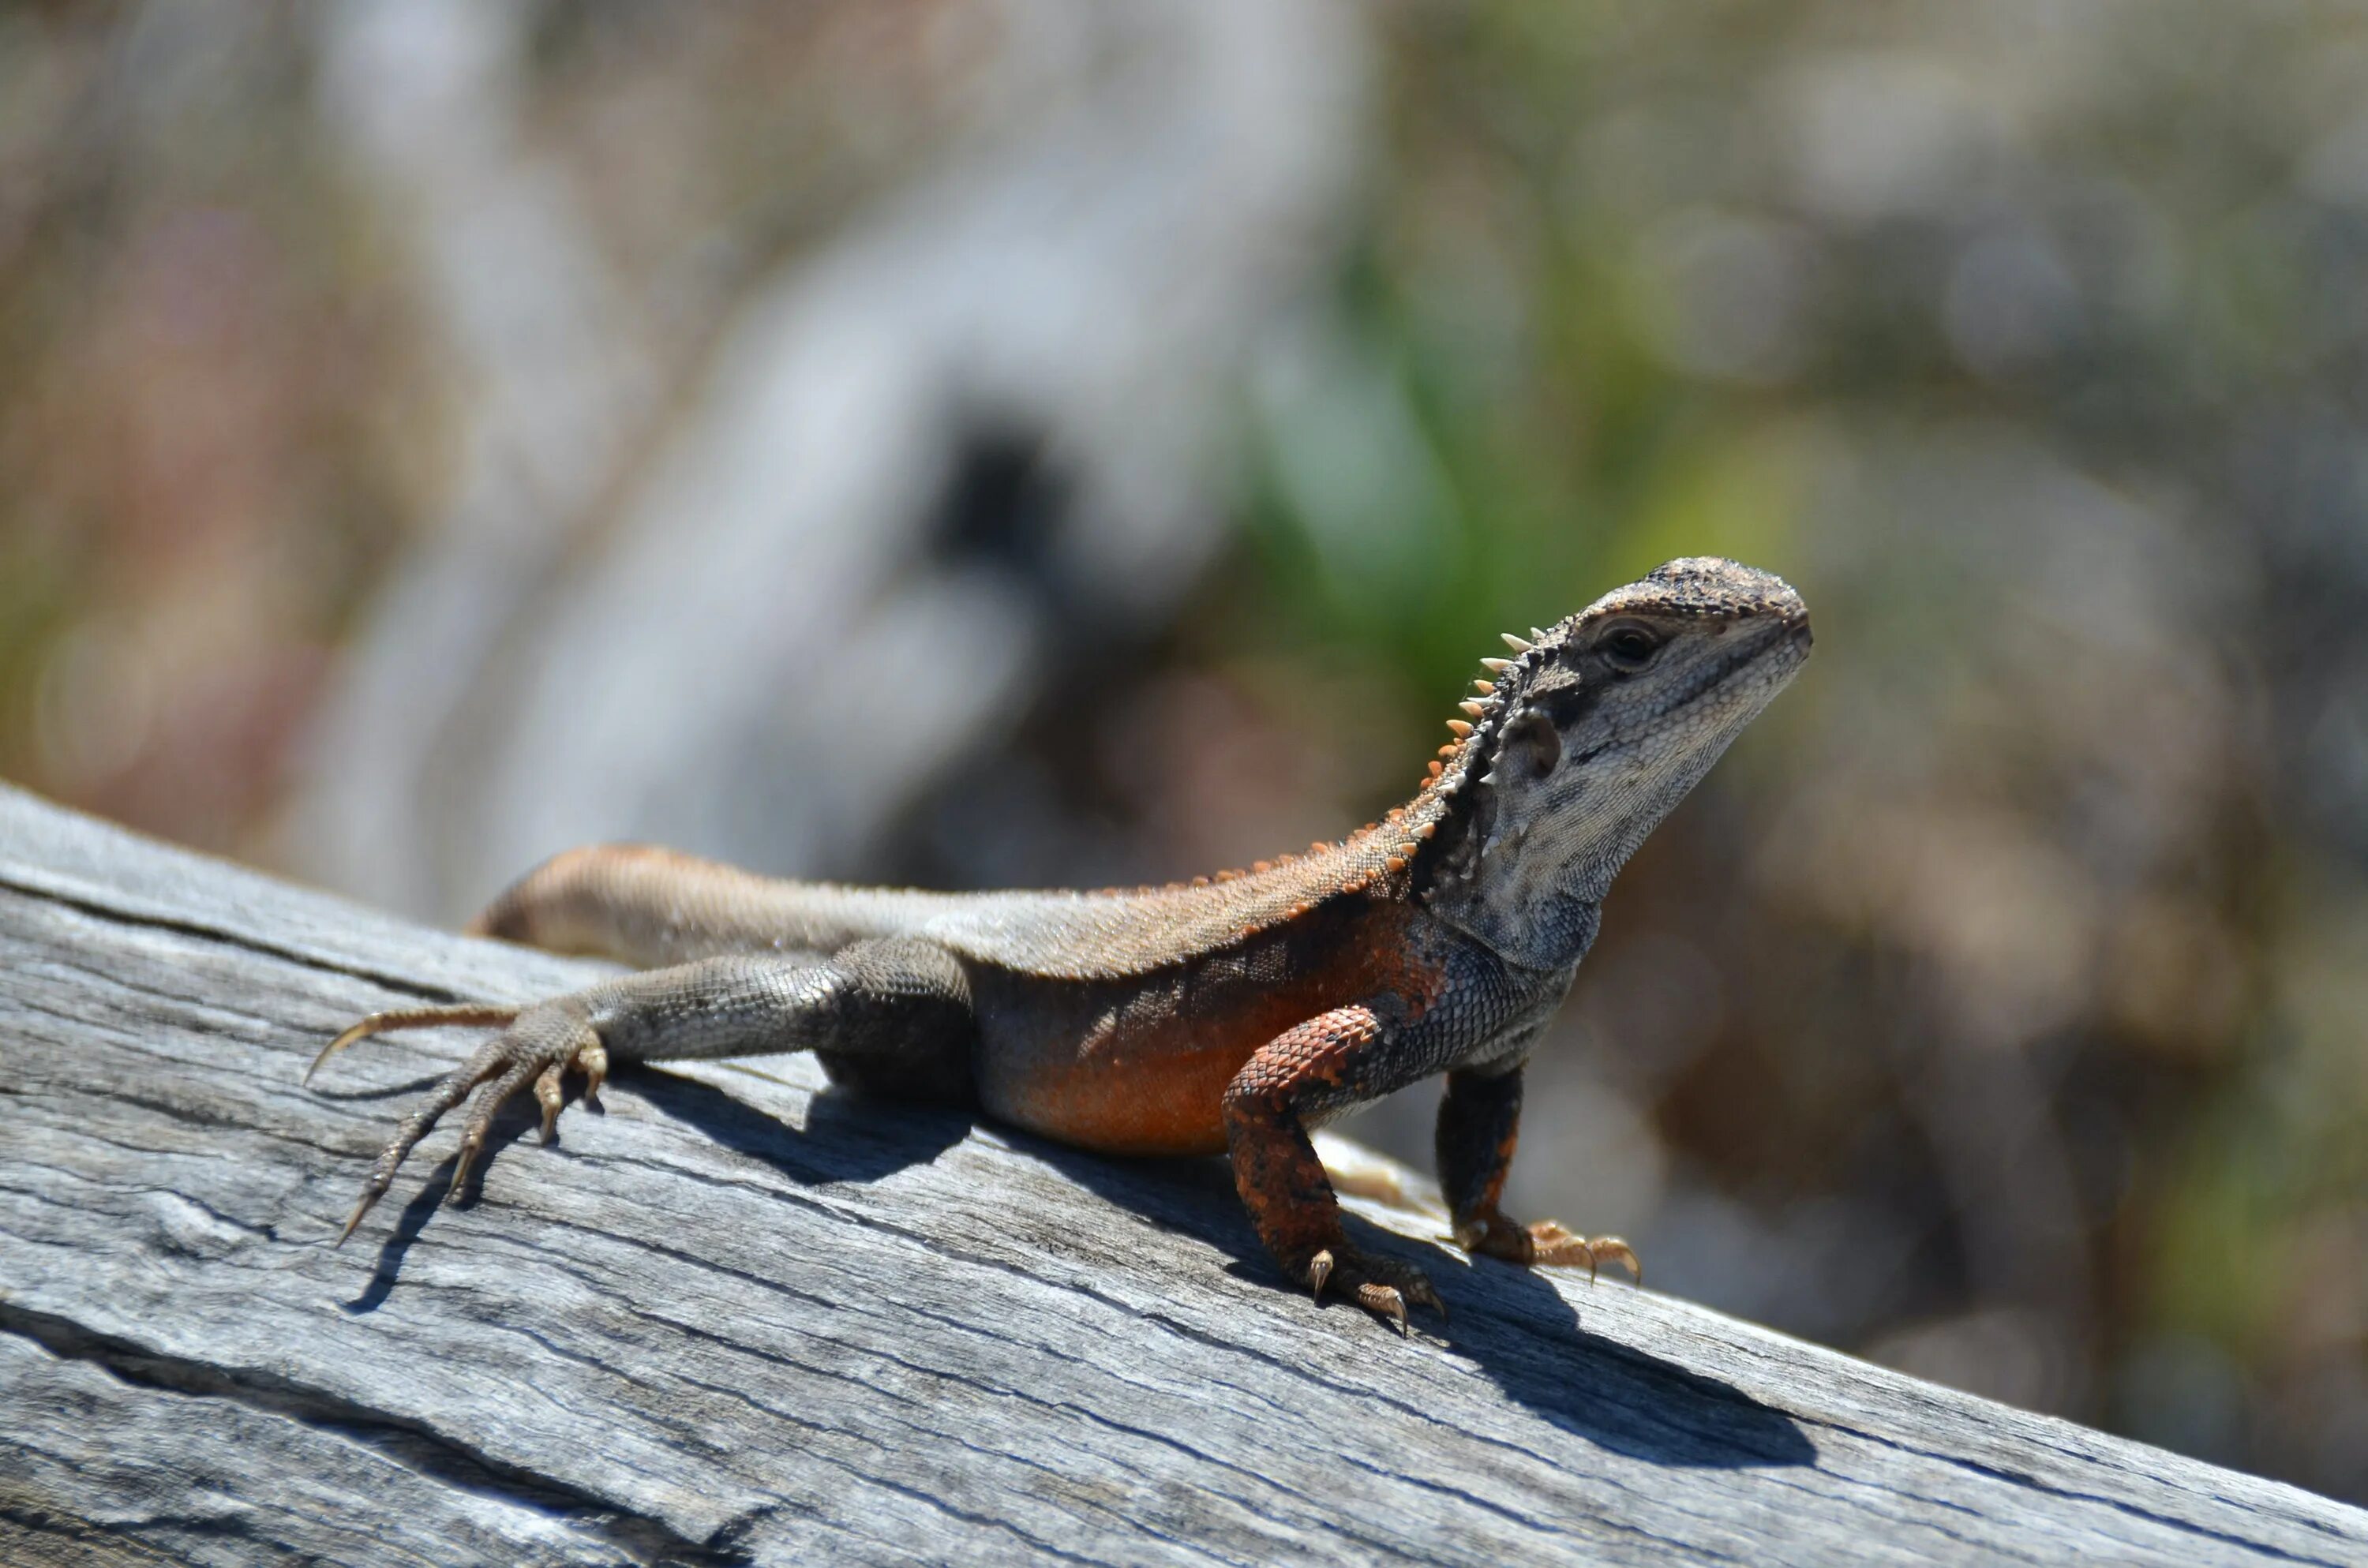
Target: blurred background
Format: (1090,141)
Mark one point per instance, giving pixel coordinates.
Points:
(976,442)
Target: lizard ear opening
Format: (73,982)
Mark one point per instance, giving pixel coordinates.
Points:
(1532,746)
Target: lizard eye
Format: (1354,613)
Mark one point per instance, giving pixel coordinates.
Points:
(1629,648)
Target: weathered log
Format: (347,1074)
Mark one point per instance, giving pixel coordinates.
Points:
(737,1319)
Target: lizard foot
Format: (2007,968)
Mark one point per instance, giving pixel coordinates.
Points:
(540,1043)
(1379,1285)
(1545,1243)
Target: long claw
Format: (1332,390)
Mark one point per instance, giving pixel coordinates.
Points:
(460,1163)
(412,1018)
(1319,1269)
(1621,1252)
(593,1057)
(1384,1299)
(552,1095)
(353,1220)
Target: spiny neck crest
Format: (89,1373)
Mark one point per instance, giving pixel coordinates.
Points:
(1464,767)
(1383,853)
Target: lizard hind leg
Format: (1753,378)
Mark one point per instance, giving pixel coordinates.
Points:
(895,1004)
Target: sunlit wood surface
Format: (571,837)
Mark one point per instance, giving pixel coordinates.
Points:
(735,1320)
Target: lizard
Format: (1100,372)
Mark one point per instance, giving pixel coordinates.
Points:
(1229,1014)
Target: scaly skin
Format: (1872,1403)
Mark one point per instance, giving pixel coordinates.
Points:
(1235,1012)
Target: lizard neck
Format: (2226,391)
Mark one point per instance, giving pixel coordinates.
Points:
(1548,936)
(1528,880)
(1531,886)
(1526,909)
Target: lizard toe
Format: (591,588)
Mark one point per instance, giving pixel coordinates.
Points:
(1548,1243)
(1384,1286)
(1554,1246)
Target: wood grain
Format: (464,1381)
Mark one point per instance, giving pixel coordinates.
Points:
(735,1320)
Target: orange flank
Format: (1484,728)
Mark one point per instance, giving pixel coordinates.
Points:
(1140,1067)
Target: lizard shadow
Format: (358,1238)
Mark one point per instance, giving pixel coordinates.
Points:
(509,1126)
(848,1135)
(1510,1324)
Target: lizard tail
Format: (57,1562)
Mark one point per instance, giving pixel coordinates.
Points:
(414,1018)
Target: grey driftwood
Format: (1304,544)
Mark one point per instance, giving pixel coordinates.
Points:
(735,1320)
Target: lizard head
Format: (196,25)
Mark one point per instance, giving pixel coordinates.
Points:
(1593,731)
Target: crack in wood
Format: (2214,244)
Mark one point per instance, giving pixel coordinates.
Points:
(408,1443)
(228,936)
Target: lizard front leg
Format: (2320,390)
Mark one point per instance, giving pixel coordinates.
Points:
(1334,1060)
(1479,1123)
(893,1004)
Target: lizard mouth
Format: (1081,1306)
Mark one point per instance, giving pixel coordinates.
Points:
(1776,650)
